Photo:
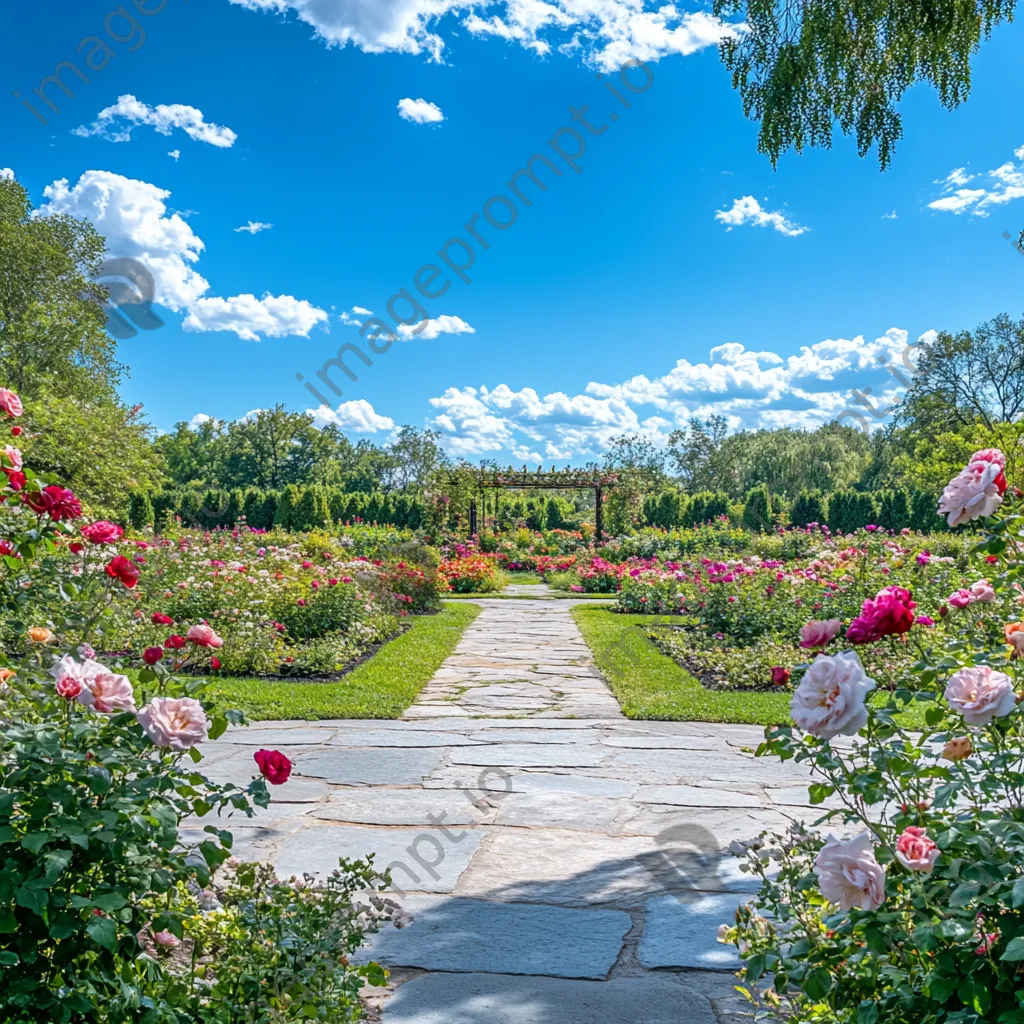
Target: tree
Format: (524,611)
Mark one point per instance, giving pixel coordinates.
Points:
(803,67)
(757,514)
(695,451)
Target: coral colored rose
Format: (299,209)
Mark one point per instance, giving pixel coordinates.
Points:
(151,655)
(980,694)
(915,851)
(160,619)
(10,403)
(273,766)
(958,749)
(1014,633)
(961,599)
(124,570)
(176,723)
(203,636)
(40,635)
(819,632)
(68,688)
(175,642)
(972,494)
(983,591)
(889,613)
(830,698)
(780,675)
(102,532)
(850,875)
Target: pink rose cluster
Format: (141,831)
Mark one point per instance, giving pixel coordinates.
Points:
(889,613)
(977,491)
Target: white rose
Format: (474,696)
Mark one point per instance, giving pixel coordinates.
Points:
(980,694)
(849,875)
(972,494)
(830,698)
(174,722)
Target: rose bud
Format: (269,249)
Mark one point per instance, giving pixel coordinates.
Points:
(151,655)
(273,766)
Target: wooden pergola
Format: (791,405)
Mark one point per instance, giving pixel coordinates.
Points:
(554,480)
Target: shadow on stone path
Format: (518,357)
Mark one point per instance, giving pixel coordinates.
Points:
(559,869)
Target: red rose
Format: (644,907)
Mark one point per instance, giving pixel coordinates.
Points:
(780,675)
(102,532)
(7,548)
(121,568)
(56,502)
(215,663)
(75,548)
(160,619)
(16,479)
(890,613)
(273,765)
(68,688)
(151,655)
(175,642)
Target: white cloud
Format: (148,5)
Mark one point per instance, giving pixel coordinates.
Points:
(747,210)
(750,388)
(174,154)
(254,227)
(606,32)
(435,327)
(276,316)
(362,311)
(198,420)
(117,122)
(358,416)
(891,215)
(419,111)
(133,217)
(1005,183)
(6,172)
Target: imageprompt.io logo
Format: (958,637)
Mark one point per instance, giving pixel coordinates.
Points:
(687,863)
(130,294)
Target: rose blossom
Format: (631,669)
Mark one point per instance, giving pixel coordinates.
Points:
(174,722)
(849,875)
(959,748)
(889,613)
(961,599)
(102,532)
(175,642)
(151,655)
(166,939)
(203,636)
(68,688)
(996,458)
(160,619)
(13,456)
(273,766)
(982,591)
(980,694)
(1014,634)
(10,403)
(974,493)
(819,632)
(915,851)
(780,675)
(123,569)
(830,698)
(101,689)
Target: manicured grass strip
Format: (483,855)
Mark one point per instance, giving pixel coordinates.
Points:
(382,687)
(650,685)
(518,576)
(550,596)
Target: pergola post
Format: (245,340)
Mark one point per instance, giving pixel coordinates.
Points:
(598,517)
(472,517)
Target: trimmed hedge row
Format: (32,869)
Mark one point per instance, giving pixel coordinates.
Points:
(673,508)
(292,508)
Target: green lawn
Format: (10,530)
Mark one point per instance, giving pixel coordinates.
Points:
(650,685)
(519,576)
(382,687)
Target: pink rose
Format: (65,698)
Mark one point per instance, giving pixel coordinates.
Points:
(68,688)
(889,613)
(819,632)
(961,599)
(10,403)
(974,493)
(204,636)
(830,700)
(980,694)
(166,939)
(915,851)
(982,590)
(996,458)
(849,874)
(100,689)
(13,456)
(174,722)
(102,532)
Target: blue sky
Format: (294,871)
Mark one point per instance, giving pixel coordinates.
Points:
(677,274)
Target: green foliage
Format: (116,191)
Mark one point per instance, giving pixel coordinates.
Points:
(140,510)
(802,68)
(809,507)
(757,511)
(287,504)
(894,510)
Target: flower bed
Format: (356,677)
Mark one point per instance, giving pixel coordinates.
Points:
(472,574)
(908,902)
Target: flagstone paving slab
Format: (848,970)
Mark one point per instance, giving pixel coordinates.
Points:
(537,836)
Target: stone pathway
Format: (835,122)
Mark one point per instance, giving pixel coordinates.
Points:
(546,846)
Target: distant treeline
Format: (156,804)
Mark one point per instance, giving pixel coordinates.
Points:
(291,508)
(841,511)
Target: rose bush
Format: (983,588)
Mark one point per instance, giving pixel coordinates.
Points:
(917,915)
